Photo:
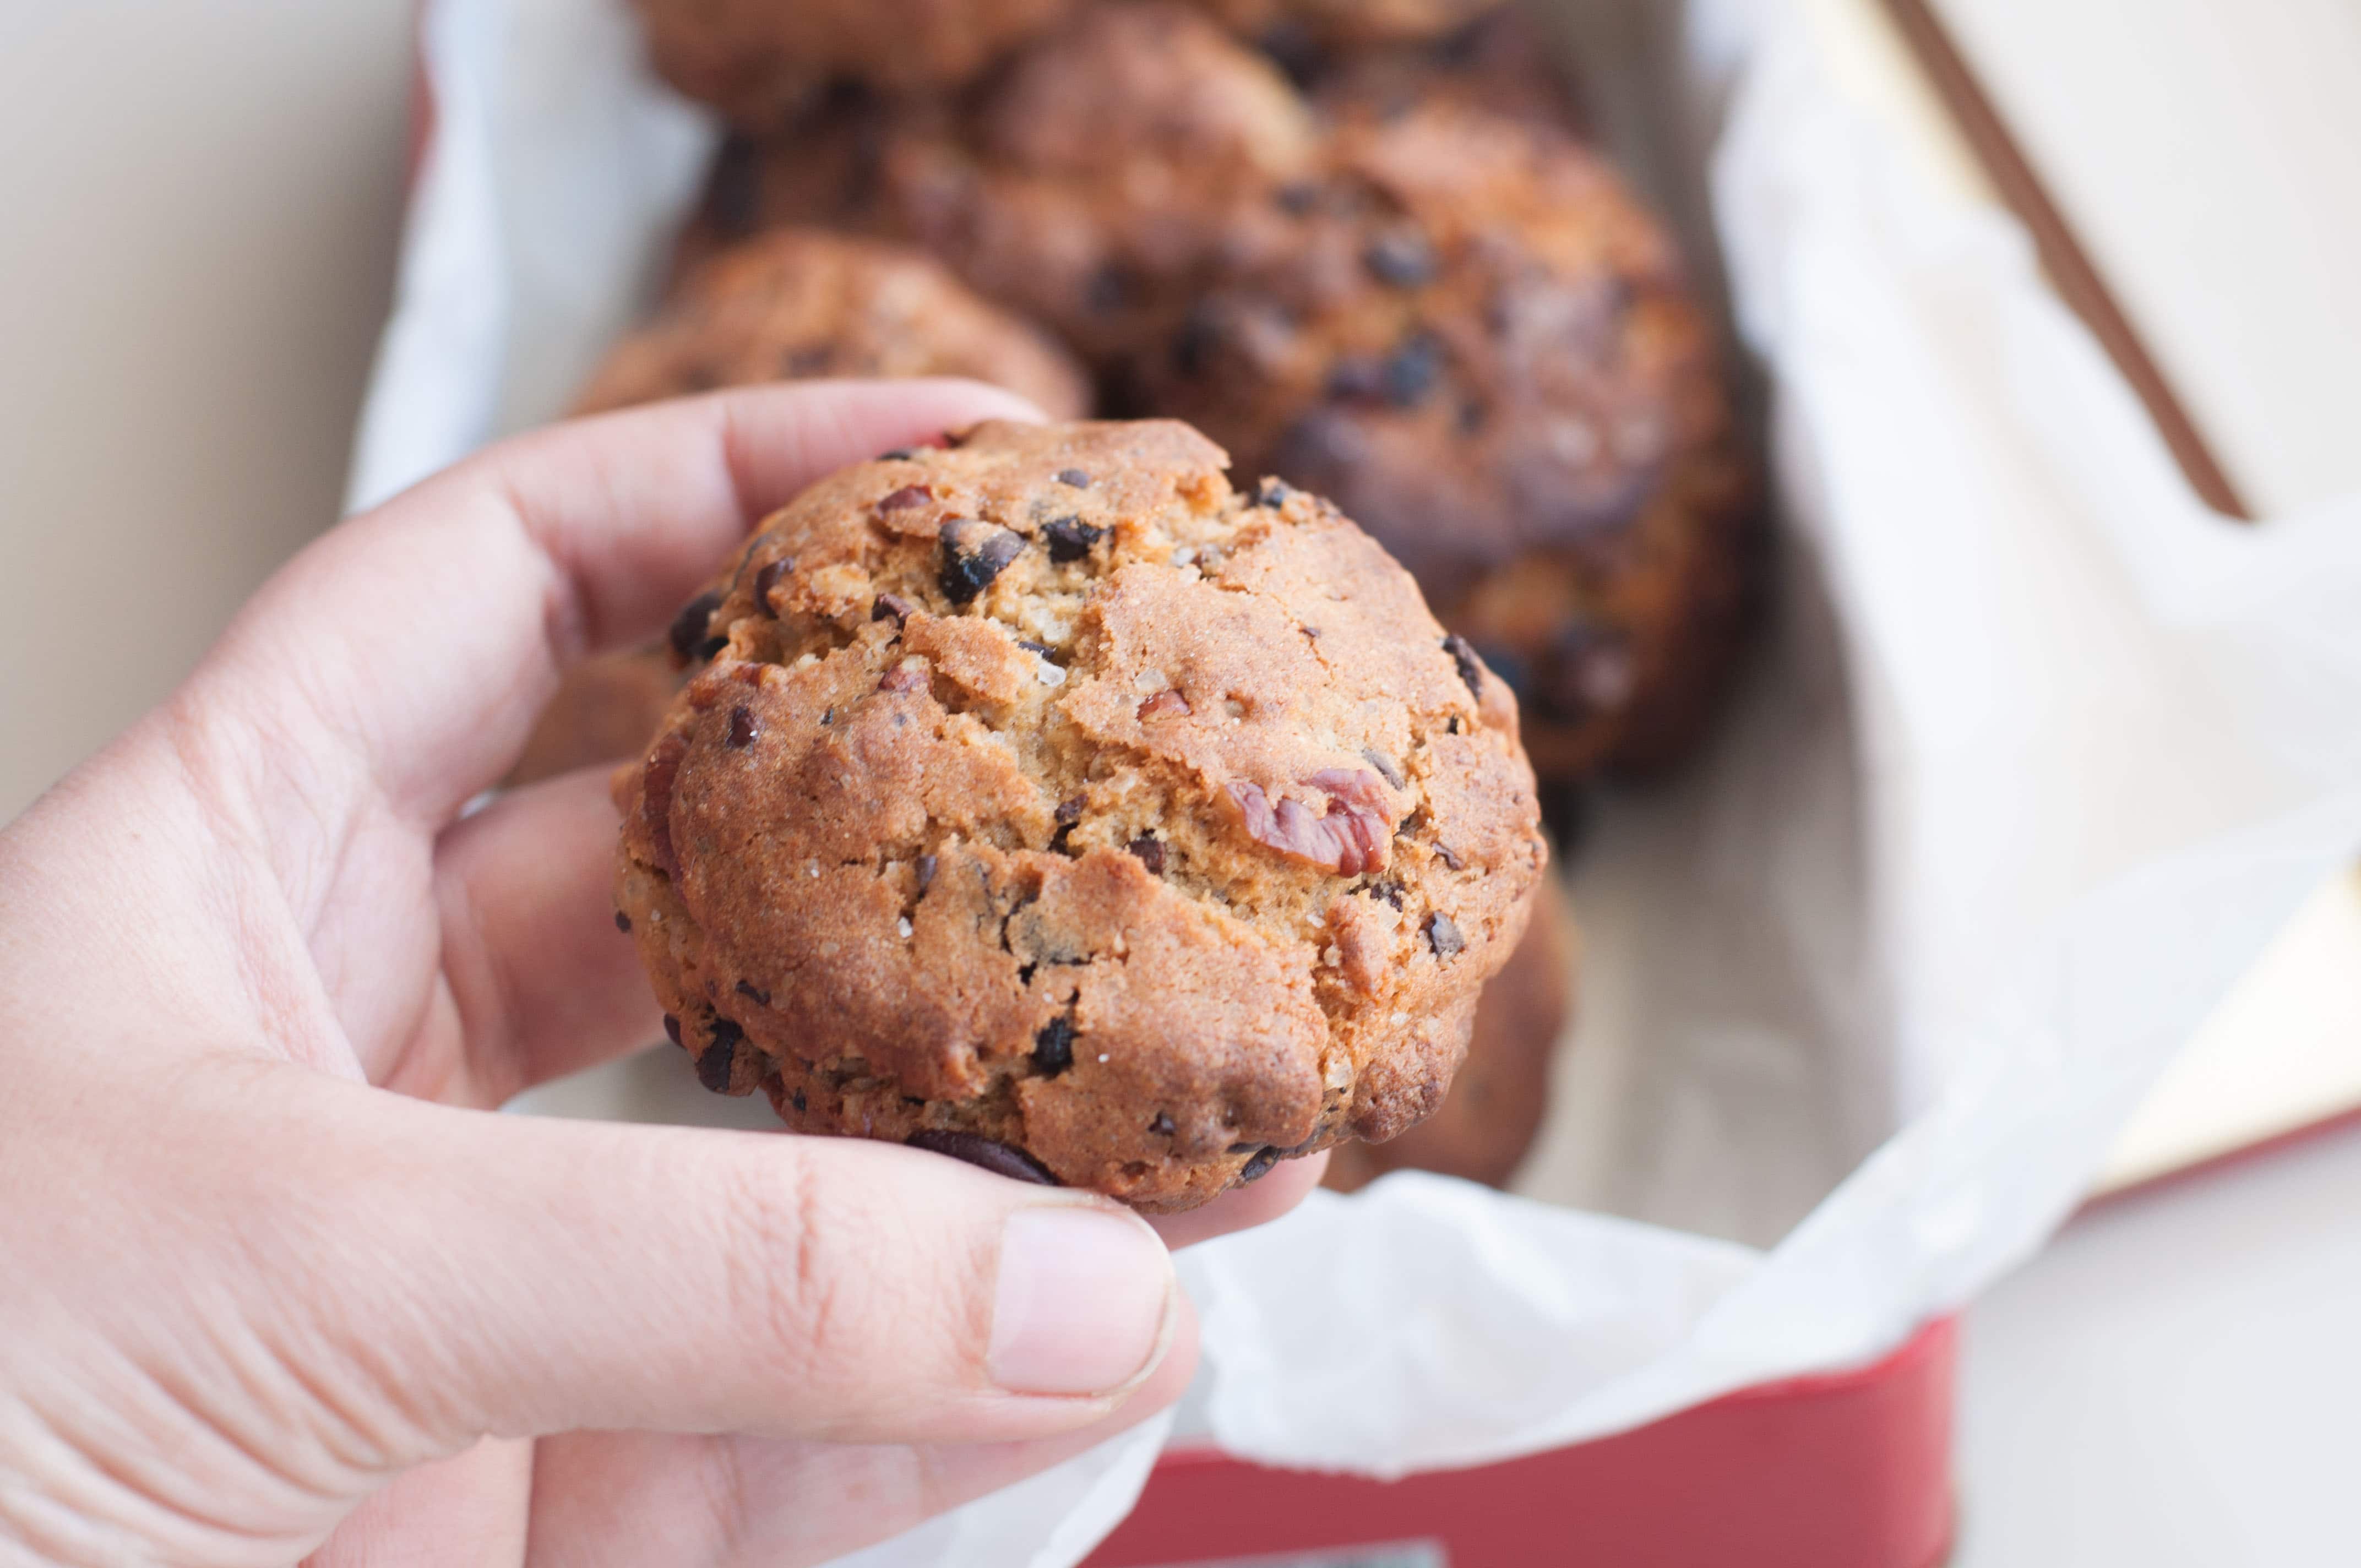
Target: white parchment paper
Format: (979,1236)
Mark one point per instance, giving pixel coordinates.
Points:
(2040,755)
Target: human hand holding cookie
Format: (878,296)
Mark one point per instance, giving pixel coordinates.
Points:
(272,1282)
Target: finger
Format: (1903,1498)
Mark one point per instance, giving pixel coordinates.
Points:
(467,1511)
(1243,1208)
(426,635)
(626,1498)
(513,1275)
(543,983)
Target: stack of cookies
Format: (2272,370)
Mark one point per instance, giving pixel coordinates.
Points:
(1361,245)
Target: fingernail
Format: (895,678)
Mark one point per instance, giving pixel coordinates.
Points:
(1084,1305)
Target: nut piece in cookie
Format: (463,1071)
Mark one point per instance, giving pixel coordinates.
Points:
(1062,810)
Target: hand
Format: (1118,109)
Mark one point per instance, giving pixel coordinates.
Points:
(270,1275)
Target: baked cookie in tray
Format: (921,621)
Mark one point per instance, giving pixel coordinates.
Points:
(1047,802)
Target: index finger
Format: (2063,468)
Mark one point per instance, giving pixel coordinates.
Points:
(427,634)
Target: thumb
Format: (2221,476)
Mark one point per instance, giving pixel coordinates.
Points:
(515,1275)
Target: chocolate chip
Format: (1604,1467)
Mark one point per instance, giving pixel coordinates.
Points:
(1053,1047)
(1075,477)
(726,1031)
(1274,494)
(1199,340)
(1257,1167)
(672,1028)
(733,197)
(622,921)
(1356,380)
(709,647)
(768,578)
(1297,198)
(797,1101)
(899,455)
(1471,669)
(802,363)
(904,677)
(1161,1126)
(715,1066)
(1043,649)
(890,607)
(1069,812)
(1241,1148)
(1070,539)
(1150,852)
(1295,50)
(973,555)
(1449,858)
(753,993)
(1402,259)
(1111,287)
(1388,769)
(906,498)
(688,627)
(1411,371)
(743,728)
(1392,891)
(976,1150)
(1444,937)
(925,868)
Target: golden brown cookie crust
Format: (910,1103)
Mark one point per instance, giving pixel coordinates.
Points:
(1058,797)
(794,304)
(1500,1093)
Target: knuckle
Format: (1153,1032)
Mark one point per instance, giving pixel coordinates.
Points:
(833,1277)
(784,1282)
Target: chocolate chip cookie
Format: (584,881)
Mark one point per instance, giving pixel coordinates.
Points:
(794,304)
(1089,184)
(1045,802)
(1470,334)
(1501,1092)
(757,61)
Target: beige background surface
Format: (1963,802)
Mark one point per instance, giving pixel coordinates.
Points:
(200,205)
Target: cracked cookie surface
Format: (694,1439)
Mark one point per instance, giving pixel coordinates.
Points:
(1500,1094)
(1044,794)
